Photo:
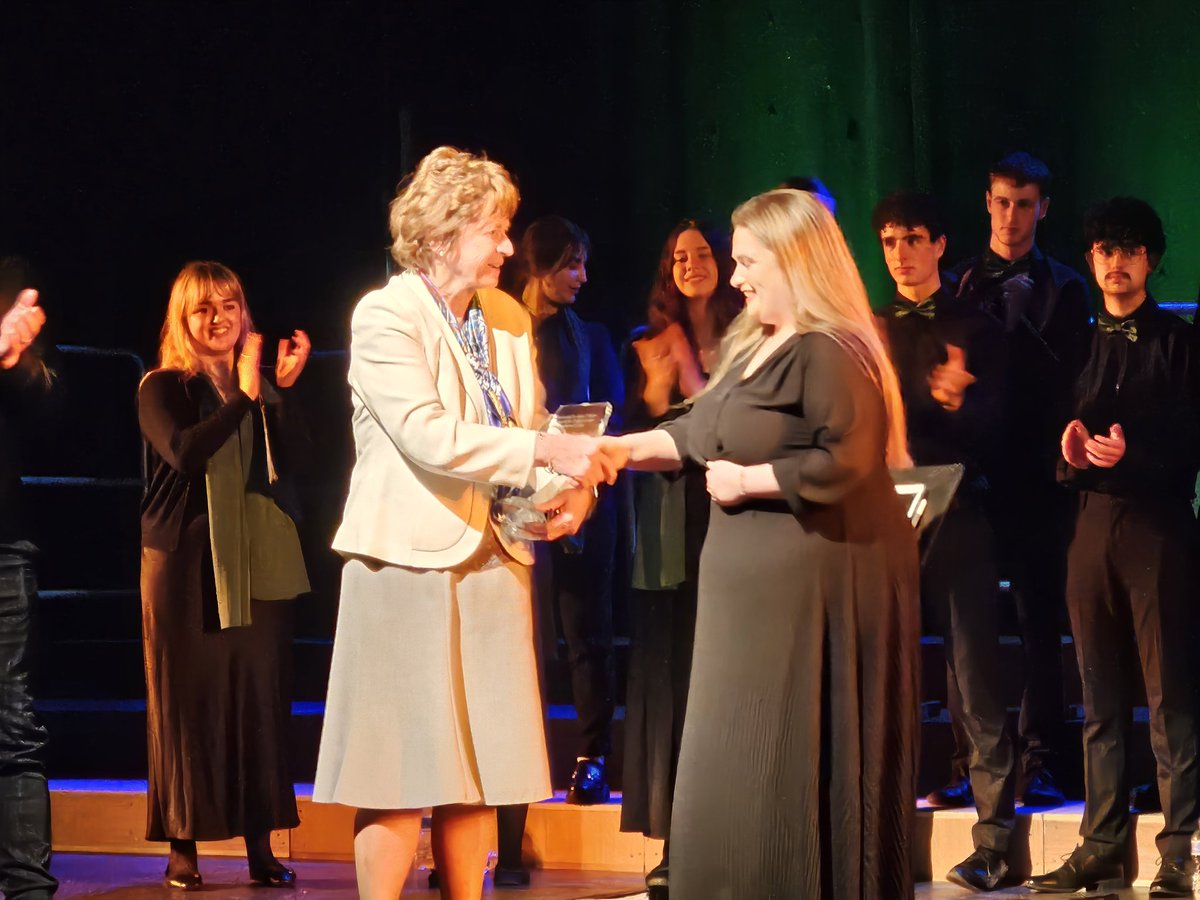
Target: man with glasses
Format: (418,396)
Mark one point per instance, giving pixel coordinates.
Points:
(1043,307)
(949,359)
(1132,451)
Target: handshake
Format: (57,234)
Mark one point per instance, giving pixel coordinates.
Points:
(585,461)
(582,463)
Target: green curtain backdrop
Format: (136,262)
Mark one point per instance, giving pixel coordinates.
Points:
(727,99)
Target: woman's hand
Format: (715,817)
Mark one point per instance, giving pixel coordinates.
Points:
(293,354)
(616,450)
(567,511)
(1074,437)
(726,482)
(1106,451)
(19,327)
(660,369)
(247,365)
(949,381)
(576,457)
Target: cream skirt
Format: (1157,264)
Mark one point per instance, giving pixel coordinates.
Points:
(433,691)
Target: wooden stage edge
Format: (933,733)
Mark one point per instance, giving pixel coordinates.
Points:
(110,817)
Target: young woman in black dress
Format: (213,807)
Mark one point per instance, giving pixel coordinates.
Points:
(796,773)
(216,546)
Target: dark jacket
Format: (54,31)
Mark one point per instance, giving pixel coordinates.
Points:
(25,394)
(577,363)
(1044,309)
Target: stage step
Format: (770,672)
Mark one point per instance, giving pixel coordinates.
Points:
(110,817)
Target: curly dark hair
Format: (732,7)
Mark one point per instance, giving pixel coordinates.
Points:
(667,305)
(909,209)
(1125,222)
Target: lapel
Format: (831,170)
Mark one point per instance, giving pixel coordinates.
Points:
(429,309)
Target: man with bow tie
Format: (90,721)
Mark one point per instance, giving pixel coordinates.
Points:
(1043,308)
(949,358)
(1132,451)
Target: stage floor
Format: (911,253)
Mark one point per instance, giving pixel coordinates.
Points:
(139,878)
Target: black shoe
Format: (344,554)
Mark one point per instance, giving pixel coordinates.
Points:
(1174,879)
(952,796)
(183,881)
(588,785)
(1083,870)
(1040,790)
(983,870)
(656,878)
(274,874)
(1144,799)
(435,881)
(505,877)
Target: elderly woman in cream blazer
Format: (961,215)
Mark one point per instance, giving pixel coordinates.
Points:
(433,697)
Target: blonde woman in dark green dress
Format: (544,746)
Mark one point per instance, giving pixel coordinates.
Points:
(797,768)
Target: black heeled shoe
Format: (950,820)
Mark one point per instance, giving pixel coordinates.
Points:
(183,881)
(183,869)
(657,881)
(272,875)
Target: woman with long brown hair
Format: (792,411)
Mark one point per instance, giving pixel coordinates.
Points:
(796,774)
(217,545)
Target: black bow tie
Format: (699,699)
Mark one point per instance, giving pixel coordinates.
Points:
(1126,327)
(926,308)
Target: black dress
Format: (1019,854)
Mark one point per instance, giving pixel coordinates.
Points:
(662,632)
(797,771)
(217,700)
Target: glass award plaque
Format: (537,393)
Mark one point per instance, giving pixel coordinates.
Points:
(515,511)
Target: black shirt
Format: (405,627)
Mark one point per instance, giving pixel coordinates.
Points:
(1044,309)
(25,392)
(1150,387)
(917,343)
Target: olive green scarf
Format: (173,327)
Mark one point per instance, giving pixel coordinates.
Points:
(255,547)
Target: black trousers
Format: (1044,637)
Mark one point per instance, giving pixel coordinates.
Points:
(1131,594)
(575,591)
(1032,528)
(959,593)
(24,794)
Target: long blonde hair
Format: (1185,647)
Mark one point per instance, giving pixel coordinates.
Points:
(828,296)
(196,281)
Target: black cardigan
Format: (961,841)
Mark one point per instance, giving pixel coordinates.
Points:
(184,422)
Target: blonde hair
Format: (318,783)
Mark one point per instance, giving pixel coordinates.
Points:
(828,296)
(448,189)
(197,281)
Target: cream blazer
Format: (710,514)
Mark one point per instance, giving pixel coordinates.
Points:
(426,459)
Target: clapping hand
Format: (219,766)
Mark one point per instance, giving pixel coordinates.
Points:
(1081,450)
(19,327)
(293,354)
(948,382)
(1106,451)
(249,380)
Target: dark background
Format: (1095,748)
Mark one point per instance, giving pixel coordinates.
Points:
(137,136)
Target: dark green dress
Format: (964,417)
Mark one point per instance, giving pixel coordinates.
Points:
(797,770)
